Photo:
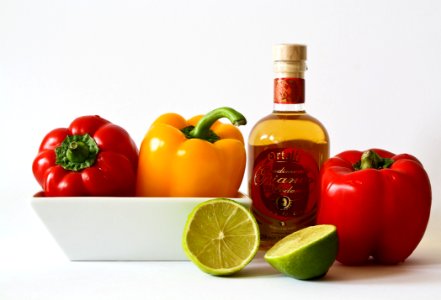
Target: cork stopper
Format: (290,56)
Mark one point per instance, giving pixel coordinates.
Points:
(289,60)
(289,52)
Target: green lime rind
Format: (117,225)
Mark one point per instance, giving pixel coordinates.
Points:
(305,254)
(221,236)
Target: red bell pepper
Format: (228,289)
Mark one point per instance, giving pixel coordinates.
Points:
(92,157)
(379,202)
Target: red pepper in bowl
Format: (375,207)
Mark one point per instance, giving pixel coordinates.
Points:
(380,203)
(92,157)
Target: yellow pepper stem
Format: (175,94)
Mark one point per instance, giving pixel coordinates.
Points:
(202,128)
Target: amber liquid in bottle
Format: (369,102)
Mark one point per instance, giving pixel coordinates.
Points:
(285,152)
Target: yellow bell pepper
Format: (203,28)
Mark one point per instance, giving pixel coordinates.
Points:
(199,157)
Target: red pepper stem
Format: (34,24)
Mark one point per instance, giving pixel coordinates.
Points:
(371,160)
(202,128)
(77,152)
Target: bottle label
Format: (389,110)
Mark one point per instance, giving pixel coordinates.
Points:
(284,183)
(289,90)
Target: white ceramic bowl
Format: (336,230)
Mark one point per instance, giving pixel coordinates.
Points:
(118,228)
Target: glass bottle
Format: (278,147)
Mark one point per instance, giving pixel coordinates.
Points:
(285,152)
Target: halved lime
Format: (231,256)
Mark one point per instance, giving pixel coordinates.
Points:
(221,236)
(305,254)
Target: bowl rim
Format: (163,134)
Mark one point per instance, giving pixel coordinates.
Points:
(40,195)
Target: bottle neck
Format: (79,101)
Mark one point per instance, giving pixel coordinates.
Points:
(289,93)
(289,86)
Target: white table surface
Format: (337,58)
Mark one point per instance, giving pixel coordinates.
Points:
(32,266)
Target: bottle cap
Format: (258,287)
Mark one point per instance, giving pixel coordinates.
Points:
(289,52)
(289,60)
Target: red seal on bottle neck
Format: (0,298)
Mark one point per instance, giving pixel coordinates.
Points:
(289,90)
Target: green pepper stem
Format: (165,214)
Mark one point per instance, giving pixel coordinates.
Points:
(202,128)
(371,160)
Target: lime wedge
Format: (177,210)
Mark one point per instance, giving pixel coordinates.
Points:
(221,236)
(305,254)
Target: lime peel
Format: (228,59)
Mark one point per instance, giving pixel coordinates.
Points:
(305,254)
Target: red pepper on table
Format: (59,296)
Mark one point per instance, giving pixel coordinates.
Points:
(379,202)
(92,157)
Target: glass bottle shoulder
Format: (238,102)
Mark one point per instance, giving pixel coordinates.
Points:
(279,127)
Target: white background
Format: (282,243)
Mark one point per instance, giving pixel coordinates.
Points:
(373,80)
